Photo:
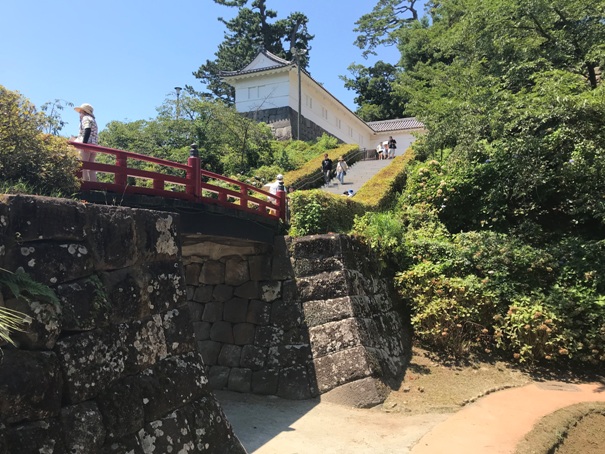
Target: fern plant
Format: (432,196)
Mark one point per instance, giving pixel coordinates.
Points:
(21,285)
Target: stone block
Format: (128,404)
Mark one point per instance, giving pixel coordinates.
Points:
(259,312)
(281,267)
(201,330)
(230,355)
(213,312)
(324,286)
(290,291)
(222,332)
(218,377)
(364,393)
(83,428)
(192,273)
(195,311)
(253,357)
(42,326)
(213,273)
(222,292)
(122,408)
(157,235)
(105,362)
(289,356)
(84,304)
(191,292)
(126,292)
(336,336)
(235,310)
(213,434)
(203,294)
(172,383)
(144,343)
(112,237)
(236,271)
(310,266)
(209,351)
(30,386)
(243,333)
(268,336)
(178,331)
(260,267)
(286,315)
(319,312)
(34,218)
(240,380)
(35,437)
(168,434)
(51,263)
(128,444)
(265,381)
(344,367)
(165,285)
(248,290)
(294,383)
(270,291)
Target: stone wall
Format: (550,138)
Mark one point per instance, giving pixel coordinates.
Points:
(113,368)
(296,319)
(284,121)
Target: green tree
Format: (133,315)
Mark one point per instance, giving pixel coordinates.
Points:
(374,88)
(228,142)
(45,164)
(250,31)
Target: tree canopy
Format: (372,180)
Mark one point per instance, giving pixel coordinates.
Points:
(250,31)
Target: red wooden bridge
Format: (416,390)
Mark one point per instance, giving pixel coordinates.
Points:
(172,180)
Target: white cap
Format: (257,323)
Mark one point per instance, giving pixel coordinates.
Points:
(280,177)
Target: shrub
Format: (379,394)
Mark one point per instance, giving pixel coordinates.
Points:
(28,158)
(316,212)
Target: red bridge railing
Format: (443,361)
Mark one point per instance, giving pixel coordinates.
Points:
(196,186)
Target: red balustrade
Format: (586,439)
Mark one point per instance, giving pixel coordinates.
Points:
(196,186)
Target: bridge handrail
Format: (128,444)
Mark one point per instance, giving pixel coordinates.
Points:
(273,206)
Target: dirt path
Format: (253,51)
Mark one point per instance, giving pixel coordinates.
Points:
(480,407)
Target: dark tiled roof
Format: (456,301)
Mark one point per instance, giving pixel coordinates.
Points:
(395,125)
(279,63)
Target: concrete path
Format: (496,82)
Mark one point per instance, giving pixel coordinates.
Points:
(357,175)
(493,424)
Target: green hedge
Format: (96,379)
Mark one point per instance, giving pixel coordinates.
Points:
(381,190)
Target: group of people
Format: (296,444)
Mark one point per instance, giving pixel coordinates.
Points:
(386,149)
(327,168)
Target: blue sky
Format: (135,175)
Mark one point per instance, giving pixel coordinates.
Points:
(126,56)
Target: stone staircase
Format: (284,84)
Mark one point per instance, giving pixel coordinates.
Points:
(356,176)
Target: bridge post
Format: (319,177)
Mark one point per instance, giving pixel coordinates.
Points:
(194,174)
(120,176)
(281,195)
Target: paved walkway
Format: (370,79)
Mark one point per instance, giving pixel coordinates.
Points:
(493,424)
(357,175)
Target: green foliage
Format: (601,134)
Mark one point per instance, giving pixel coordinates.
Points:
(20,285)
(315,211)
(374,89)
(44,163)
(247,33)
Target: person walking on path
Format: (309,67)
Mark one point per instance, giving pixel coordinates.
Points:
(392,147)
(326,168)
(341,170)
(89,133)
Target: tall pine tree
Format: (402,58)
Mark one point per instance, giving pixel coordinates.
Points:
(250,31)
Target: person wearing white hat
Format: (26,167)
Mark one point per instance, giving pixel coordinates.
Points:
(89,133)
(276,186)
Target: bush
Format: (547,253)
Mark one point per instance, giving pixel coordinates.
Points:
(315,211)
(43,163)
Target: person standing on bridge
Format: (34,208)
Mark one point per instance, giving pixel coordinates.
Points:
(277,185)
(89,133)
